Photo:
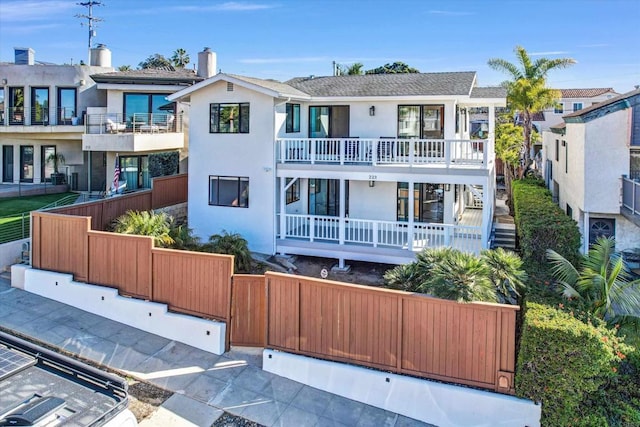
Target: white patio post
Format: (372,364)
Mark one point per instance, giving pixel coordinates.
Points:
(283,219)
(487,214)
(343,210)
(492,133)
(410,210)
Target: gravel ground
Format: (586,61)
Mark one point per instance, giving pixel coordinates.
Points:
(228,420)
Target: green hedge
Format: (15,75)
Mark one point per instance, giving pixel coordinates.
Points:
(541,224)
(566,364)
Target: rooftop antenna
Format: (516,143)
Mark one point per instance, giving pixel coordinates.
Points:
(92,20)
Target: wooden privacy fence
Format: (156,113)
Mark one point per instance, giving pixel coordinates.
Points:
(166,191)
(396,331)
(189,282)
(472,344)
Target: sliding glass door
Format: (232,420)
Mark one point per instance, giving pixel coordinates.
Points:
(329,122)
(66,105)
(26,163)
(39,106)
(7,163)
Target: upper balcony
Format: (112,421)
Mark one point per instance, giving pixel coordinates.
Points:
(39,120)
(438,153)
(137,133)
(631,199)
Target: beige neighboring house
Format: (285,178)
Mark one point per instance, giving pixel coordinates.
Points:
(591,164)
(571,100)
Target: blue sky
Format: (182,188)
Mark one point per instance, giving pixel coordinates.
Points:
(281,39)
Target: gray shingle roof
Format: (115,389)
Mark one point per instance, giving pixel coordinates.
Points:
(413,84)
(167,75)
(273,85)
(489,92)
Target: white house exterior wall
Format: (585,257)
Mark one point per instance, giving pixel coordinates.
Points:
(377,203)
(552,118)
(606,160)
(245,155)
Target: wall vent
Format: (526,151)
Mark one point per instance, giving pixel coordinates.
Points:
(229,87)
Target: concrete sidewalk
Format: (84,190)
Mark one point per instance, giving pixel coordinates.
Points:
(204,384)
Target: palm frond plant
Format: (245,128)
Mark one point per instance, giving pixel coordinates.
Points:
(506,274)
(602,281)
(146,223)
(231,244)
(183,238)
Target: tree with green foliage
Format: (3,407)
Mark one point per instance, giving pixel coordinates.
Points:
(180,58)
(508,147)
(602,281)
(124,68)
(395,68)
(155,61)
(527,91)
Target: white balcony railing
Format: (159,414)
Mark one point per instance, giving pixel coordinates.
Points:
(354,151)
(631,195)
(112,123)
(388,234)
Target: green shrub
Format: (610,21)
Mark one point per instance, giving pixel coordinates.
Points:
(563,362)
(542,225)
(231,244)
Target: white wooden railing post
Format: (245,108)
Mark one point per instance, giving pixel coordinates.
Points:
(283,216)
(375,234)
(410,210)
(343,211)
(447,152)
(312,231)
(312,149)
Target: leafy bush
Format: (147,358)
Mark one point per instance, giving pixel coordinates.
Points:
(494,276)
(163,164)
(564,363)
(542,225)
(146,223)
(231,244)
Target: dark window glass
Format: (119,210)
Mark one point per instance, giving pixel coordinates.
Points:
(229,191)
(229,118)
(66,105)
(421,121)
(557,150)
(293,118)
(16,105)
(293,192)
(39,105)
(141,108)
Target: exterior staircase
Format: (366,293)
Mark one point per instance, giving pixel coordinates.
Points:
(504,236)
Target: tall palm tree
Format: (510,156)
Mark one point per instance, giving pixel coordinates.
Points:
(180,58)
(355,69)
(527,92)
(602,281)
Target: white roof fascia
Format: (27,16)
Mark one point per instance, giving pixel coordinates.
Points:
(473,83)
(140,88)
(483,102)
(235,81)
(388,98)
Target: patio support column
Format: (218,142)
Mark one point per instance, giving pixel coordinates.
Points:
(492,133)
(343,211)
(283,222)
(410,210)
(487,214)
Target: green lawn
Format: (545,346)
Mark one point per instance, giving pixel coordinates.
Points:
(18,205)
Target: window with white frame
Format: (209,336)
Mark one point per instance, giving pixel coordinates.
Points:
(577,106)
(559,108)
(229,118)
(232,191)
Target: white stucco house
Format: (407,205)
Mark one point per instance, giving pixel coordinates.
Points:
(370,167)
(571,101)
(89,114)
(591,165)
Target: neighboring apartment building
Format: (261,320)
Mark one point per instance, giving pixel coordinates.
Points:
(371,167)
(571,100)
(587,161)
(88,114)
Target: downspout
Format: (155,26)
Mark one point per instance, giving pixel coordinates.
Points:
(275,178)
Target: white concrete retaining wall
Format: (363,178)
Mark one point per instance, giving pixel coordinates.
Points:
(208,335)
(444,405)
(10,252)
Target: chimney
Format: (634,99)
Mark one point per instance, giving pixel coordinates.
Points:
(100,56)
(24,55)
(206,63)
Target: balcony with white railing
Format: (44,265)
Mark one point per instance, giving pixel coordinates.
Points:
(135,133)
(473,154)
(364,233)
(631,198)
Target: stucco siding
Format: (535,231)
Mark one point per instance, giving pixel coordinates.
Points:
(606,160)
(239,155)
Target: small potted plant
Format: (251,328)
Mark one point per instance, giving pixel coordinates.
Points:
(56,159)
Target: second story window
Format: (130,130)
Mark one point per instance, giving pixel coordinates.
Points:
(39,105)
(16,105)
(577,106)
(421,121)
(229,118)
(559,108)
(293,118)
(66,105)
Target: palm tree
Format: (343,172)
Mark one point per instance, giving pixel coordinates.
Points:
(231,244)
(506,273)
(180,58)
(507,148)
(603,281)
(145,223)
(124,68)
(355,69)
(527,92)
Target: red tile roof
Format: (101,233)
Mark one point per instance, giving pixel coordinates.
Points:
(586,93)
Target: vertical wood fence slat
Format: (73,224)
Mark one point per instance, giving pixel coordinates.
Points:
(248,310)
